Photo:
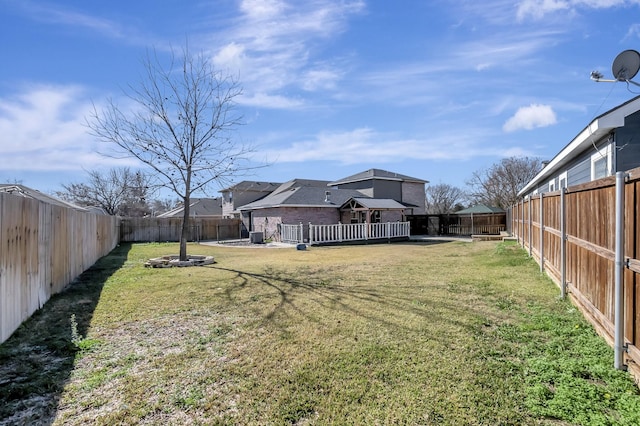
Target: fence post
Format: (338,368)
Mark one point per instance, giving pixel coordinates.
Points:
(310,234)
(530,233)
(541,233)
(340,231)
(619,346)
(563,244)
(301,233)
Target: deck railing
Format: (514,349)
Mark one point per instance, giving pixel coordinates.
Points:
(292,234)
(340,232)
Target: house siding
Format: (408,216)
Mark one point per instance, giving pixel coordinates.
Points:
(268,220)
(578,170)
(414,193)
(234,199)
(628,143)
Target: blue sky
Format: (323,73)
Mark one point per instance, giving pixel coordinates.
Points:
(430,89)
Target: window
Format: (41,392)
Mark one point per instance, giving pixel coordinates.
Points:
(354,216)
(601,163)
(552,185)
(562,180)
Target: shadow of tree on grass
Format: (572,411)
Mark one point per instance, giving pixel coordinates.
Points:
(37,360)
(380,306)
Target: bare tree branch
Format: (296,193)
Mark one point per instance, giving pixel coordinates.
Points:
(118,192)
(498,186)
(181,127)
(443,198)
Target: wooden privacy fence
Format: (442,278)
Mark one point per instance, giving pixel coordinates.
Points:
(458,224)
(586,238)
(157,229)
(43,247)
(340,232)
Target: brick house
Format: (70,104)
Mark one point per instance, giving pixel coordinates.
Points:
(372,196)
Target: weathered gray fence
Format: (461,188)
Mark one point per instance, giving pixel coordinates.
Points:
(155,229)
(43,247)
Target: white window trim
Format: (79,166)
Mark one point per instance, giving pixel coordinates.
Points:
(563,180)
(552,185)
(605,153)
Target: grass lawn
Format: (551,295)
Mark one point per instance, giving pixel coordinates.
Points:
(407,333)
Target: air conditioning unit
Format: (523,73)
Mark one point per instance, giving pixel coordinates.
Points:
(256,237)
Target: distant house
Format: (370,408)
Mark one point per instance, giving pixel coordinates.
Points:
(24,191)
(243,193)
(198,207)
(381,184)
(373,196)
(610,143)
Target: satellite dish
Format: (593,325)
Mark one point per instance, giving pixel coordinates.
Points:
(626,65)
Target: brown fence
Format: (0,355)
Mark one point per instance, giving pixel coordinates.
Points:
(572,235)
(43,247)
(168,229)
(458,224)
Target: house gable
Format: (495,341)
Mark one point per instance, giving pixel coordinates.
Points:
(377,183)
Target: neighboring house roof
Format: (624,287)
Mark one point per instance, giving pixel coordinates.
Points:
(597,129)
(480,209)
(294,183)
(376,174)
(198,207)
(249,185)
(303,196)
(378,203)
(23,191)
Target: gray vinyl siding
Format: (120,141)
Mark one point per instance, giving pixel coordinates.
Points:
(581,171)
(628,143)
(578,170)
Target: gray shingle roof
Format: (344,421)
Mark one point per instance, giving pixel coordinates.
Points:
(304,196)
(250,185)
(479,209)
(24,191)
(379,203)
(198,207)
(376,174)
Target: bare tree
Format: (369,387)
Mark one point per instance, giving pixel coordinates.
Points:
(119,191)
(181,127)
(443,198)
(498,186)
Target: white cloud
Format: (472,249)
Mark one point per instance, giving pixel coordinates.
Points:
(42,129)
(265,100)
(537,9)
(63,15)
(271,46)
(366,146)
(531,117)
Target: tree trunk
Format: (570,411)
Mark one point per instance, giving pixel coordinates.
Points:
(184,235)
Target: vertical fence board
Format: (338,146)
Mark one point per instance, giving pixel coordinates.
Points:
(43,247)
(590,248)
